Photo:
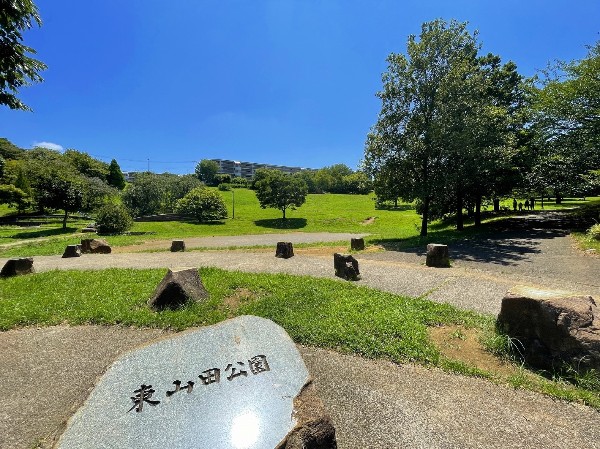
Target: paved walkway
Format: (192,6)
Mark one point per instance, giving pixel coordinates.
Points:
(46,373)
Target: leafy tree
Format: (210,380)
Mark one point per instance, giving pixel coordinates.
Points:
(115,176)
(567,124)
(144,196)
(239,182)
(280,191)
(86,164)
(206,171)
(13,196)
(113,219)
(2,165)
(357,183)
(58,191)
(203,204)
(16,68)
(409,127)
(10,151)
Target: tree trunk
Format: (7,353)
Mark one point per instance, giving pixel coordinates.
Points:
(478,210)
(283,213)
(459,212)
(65,220)
(425,215)
(395,202)
(542,202)
(558,198)
(496,205)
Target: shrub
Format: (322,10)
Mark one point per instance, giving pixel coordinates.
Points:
(594,232)
(225,187)
(203,204)
(113,219)
(239,182)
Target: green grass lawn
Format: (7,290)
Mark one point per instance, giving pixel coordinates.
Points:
(318,312)
(392,228)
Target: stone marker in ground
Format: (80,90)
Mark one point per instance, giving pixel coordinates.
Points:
(177,288)
(240,384)
(346,267)
(95,246)
(357,244)
(437,256)
(17,267)
(284,250)
(554,327)
(72,251)
(177,245)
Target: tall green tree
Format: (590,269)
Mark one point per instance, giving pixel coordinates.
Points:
(567,122)
(206,170)
(17,69)
(115,176)
(280,191)
(409,127)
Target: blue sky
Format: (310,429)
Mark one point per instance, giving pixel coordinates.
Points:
(281,82)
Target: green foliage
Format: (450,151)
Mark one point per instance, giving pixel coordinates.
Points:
(594,232)
(206,171)
(203,204)
(113,219)
(8,150)
(221,179)
(239,182)
(86,164)
(446,131)
(16,68)
(115,176)
(13,196)
(224,187)
(2,165)
(279,191)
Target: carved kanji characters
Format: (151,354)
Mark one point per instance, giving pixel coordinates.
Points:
(177,383)
(258,364)
(235,372)
(210,376)
(142,394)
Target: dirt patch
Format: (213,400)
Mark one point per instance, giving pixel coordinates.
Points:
(232,302)
(368,221)
(459,343)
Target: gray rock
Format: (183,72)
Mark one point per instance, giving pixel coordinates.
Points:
(17,267)
(179,287)
(284,250)
(238,384)
(346,267)
(72,251)
(554,327)
(177,245)
(95,246)
(437,256)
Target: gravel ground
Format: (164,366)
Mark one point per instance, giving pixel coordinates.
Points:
(374,404)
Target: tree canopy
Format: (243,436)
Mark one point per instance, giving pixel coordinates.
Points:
(280,191)
(206,170)
(17,69)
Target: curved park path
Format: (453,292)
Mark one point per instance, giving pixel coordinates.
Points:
(46,373)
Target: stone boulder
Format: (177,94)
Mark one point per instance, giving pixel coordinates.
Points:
(179,287)
(17,267)
(314,428)
(437,256)
(72,251)
(284,250)
(346,267)
(357,244)
(554,327)
(177,245)
(95,246)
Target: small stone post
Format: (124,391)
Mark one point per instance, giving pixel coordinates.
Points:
(437,256)
(346,267)
(16,267)
(284,250)
(177,245)
(72,251)
(357,244)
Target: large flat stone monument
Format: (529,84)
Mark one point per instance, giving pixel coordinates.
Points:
(232,385)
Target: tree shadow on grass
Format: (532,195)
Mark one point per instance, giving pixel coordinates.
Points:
(280,223)
(43,233)
(391,207)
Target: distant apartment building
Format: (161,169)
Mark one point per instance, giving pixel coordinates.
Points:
(247,169)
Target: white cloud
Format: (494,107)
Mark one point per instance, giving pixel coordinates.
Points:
(48,145)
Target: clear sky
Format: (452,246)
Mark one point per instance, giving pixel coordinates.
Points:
(281,81)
